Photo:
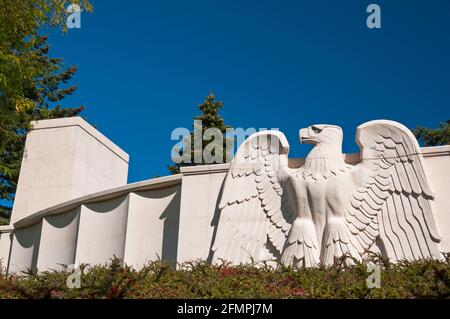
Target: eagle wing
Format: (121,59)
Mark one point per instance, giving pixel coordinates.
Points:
(254,208)
(393,201)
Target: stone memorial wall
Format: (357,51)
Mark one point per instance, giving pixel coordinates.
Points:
(73,205)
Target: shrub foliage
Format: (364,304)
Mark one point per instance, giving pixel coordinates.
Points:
(418,279)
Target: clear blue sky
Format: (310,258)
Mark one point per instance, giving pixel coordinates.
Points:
(144,66)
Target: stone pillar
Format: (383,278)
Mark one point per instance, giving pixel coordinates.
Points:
(65,159)
(200,195)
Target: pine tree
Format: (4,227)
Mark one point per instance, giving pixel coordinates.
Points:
(42,92)
(30,82)
(210,118)
(434,137)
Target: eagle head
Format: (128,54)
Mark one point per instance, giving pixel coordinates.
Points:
(321,134)
(325,159)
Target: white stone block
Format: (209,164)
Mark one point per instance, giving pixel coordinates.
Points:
(6,235)
(58,240)
(437,165)
(102,231)
(152,227)
(199,199)
(25,248)
(65,159)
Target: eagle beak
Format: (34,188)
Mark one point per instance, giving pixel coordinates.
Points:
(305,138)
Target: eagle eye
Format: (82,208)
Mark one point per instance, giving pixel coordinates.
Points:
(316,130)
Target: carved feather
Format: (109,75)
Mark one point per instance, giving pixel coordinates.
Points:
(254,209)
(398,196)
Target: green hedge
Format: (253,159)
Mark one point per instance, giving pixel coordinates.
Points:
(419,279)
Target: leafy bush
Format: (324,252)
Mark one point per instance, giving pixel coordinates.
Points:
(157,279)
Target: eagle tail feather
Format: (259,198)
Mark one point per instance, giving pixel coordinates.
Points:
(301,248)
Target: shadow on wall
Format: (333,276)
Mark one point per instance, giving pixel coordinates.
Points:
(171,217)
(215,222)
(27,240)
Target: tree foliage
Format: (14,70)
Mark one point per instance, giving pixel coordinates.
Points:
(31,82)
(434,137)
(210,118)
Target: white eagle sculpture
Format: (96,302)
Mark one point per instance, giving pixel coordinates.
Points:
(327,208)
